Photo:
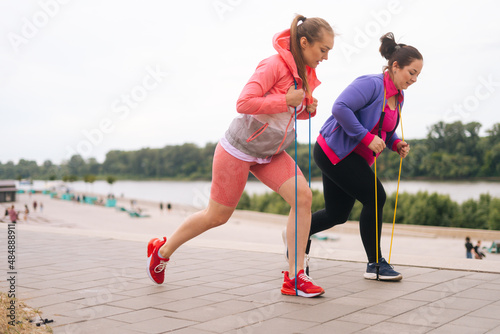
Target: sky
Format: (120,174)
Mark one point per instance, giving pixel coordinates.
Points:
(87,77)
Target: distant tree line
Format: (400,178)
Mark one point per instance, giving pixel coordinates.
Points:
(187,162)
(451,151)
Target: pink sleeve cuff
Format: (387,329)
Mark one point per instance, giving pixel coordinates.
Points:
(395,145)
(368,139)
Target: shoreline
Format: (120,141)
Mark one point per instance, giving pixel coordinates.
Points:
(348,227)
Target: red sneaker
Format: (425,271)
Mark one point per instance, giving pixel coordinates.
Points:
(156,264)
(305,286)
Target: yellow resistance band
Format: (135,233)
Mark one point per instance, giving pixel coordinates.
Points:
(397,190)
(376,211)
(376,191)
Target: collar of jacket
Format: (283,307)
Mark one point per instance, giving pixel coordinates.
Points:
(390,89)
(281,43)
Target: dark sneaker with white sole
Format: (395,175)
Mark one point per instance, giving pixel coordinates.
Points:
(386,271)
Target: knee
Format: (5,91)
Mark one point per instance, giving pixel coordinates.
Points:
(369,201)
(304,198)
(218,221)
(215,219)
(341,219)
(336,217)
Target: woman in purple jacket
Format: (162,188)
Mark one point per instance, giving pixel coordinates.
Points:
(350,138)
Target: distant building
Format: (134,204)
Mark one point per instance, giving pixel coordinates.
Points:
(7,191)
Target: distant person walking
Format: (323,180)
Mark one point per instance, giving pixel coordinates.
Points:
(13,215)
(255,142)
(26,212)
(479,253)
(161,207)
(349,139)
(35,204)
(468,248)
(169,207)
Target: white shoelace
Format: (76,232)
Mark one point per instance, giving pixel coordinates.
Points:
(160,267)
(305,278)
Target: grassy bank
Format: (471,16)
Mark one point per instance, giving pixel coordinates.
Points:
(421,208)
(25,318)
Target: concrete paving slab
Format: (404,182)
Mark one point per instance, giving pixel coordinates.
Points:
(133,304)
(94,281)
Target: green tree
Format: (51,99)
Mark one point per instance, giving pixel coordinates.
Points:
(245,202)
(93,166)
(27,169)
(47,169)
(69,178)
(494,134)
(76,165)
(89,178)
(468,213)
(494,214)
(303,159)
(482,214)
(110,179)
(117,163)
(491,165)
(8,171)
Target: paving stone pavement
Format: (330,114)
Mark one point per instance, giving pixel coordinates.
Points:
(99,285)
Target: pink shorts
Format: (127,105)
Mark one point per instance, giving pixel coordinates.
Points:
(230,175)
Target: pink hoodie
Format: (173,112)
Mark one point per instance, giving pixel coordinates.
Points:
(265,127)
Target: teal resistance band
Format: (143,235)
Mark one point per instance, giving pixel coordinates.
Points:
(309,181)
(296,169)
(308,240)
(309,150)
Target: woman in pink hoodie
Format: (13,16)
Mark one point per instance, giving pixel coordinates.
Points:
(281,87)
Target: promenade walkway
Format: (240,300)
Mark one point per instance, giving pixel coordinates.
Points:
(94,281)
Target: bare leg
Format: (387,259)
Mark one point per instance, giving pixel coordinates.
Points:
(304,201)
(214,215)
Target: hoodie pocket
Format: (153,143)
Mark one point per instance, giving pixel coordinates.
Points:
(258,132)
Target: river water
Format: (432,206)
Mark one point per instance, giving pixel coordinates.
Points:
(196,193)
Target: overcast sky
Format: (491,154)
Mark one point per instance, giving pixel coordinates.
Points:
(87,77)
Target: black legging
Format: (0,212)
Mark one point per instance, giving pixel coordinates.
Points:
(350,180)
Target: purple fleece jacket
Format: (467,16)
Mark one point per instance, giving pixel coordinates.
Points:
(355,113)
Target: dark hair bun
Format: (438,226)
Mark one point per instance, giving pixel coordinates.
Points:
(388,45)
